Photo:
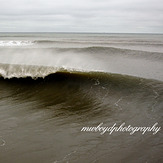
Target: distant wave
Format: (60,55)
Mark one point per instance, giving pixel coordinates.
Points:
(99,42)
(15,43)
(46,41)
(113,51)
(88,50)
(105,43)
(102,50)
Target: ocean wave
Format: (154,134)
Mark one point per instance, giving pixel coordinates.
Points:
(91,49)
(22,71)
(88,50)
(46,41)
(102,80)
(11,71)
(15,43)
(101,42)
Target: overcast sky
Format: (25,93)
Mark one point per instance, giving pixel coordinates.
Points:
(128,16)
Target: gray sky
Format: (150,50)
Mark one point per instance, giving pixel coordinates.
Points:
(137,16)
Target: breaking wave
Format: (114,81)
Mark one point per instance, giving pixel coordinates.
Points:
(33,71)
(15,43)
(14,71)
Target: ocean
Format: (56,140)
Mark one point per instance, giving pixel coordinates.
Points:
(59,91)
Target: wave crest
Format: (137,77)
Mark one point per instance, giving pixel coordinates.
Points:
(22,71)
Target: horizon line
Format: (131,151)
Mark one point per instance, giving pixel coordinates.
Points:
(87,32)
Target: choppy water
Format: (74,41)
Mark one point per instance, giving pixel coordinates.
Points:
(52,85)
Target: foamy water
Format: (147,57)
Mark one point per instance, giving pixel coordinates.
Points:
(15,43)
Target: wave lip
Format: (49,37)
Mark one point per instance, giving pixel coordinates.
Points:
(15,43)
